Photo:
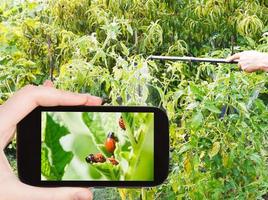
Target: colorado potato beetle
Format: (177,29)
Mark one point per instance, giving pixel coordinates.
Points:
(113,161)
(110,142)
(122,124)
(95,158)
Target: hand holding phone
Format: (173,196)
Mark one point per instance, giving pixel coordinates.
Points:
(16,108)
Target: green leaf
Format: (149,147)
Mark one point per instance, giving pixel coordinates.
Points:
(129,29)
(211,107)
(110,171)
(197,120)
(46,168)
(260,104)
(54,158)
(93,122)
(185,148)
(192,105)
(256,158)
(215,149)
(196,91)
(125,49)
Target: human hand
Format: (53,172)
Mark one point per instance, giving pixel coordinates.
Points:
(14,110)
(251,61)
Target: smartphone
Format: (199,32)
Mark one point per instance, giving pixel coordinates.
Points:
(106,146)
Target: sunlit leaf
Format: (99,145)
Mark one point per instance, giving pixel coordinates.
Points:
(54,157)
(215,149)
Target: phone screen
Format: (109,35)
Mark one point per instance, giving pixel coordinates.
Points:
(97,146)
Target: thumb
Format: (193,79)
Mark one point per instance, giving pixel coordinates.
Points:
(233,57)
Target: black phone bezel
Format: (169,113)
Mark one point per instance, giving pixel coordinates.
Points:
(29,147)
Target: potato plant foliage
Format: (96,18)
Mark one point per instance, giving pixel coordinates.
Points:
(218,114)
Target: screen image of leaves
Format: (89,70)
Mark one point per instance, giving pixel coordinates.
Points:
(77,135)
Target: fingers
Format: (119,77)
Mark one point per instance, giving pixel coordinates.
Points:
(251,69)
(242,64)
(48,83)
(25,100)
(233,57)
(247,67)
(251,61)
(265,69)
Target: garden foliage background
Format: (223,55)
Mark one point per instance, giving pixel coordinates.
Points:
(218,114)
